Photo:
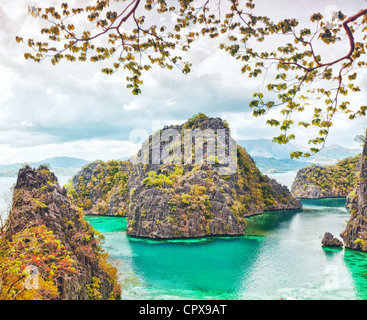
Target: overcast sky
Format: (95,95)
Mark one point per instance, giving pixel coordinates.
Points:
(75,110)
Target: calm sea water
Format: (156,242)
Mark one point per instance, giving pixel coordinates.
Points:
(279,257)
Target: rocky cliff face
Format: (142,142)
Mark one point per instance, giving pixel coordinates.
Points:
(38,200)
(330,241)
(335,181)
(198,202)
(100,188)
(175,199)
(355,233)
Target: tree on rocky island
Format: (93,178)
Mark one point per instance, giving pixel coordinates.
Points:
(361,138)
(136,34)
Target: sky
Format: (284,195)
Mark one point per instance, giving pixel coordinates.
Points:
(75,110)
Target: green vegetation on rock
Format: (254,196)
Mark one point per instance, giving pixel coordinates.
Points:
(46,232)
(168,200)
(330,181)
(101,187)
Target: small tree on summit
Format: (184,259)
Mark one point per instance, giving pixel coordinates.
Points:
(361,138)
(135,35)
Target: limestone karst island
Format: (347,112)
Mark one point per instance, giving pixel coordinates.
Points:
(184,226)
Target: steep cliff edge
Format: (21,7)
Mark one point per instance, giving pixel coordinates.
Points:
(50,234)
(334,181)
(355,233)
(175,199)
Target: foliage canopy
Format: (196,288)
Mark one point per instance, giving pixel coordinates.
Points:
(137,34)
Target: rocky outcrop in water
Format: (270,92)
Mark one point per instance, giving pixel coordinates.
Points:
(355,233)
(173,198)
(334,181)
(38,200)
(330,241)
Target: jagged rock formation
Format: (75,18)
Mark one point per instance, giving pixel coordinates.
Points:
(38,200)
(355,233)
(175,199)
(334,181)
(330,241)
(100,188)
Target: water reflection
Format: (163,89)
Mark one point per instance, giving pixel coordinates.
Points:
(261,225)
(326,202)
(331,252)
(211,266)
(107,224)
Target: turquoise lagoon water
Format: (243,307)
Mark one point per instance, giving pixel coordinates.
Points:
(279,257)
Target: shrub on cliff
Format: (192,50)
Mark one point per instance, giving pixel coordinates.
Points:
(34,246)
(46,233)
(327,181)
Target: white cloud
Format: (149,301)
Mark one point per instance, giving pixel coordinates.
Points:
(131,106)
(88,149)
(7,80)
(75,110)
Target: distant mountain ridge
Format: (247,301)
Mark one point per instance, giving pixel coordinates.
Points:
(62,162)
(272,157)
(274,165)
(60,165)
(336,153)
(268,149)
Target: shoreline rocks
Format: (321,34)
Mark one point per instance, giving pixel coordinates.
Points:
(330,241)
